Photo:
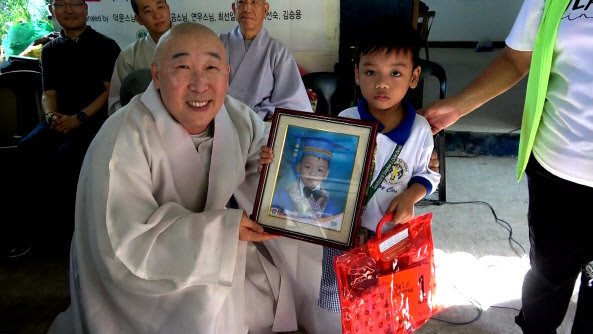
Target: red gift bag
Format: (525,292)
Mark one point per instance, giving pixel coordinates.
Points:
(388,285)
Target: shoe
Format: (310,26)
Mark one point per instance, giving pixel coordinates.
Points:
(520,321)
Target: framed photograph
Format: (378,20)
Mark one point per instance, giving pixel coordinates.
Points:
(315,186)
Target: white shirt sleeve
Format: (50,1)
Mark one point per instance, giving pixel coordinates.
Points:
(524,31)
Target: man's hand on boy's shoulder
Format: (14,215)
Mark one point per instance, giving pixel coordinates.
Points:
(443,113)
(265,157)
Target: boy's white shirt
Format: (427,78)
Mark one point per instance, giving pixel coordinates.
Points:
(414,156)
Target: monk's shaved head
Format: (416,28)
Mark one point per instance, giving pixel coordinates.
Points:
(195,30)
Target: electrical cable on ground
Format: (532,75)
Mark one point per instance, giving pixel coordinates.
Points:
(507,227)
(476,318)
(499,221)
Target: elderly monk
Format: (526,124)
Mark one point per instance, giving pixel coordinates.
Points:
(155,250)
(264,75)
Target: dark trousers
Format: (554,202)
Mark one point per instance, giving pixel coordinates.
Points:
(49,167)
(561,238)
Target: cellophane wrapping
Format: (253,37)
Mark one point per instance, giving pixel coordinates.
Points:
(388,285)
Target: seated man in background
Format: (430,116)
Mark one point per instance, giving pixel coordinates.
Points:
(155,250)
(155,16)
(264,75)
(76,70)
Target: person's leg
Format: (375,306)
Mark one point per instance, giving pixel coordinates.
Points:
(68,161)
(583,320)
(35,167)
(36,152)
(329,294)
(557,246)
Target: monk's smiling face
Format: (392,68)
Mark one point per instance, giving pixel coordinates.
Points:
(192,75)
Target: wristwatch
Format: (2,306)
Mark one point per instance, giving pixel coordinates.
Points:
(81,116)
(49,117)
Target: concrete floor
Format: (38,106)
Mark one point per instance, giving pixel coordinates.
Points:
(477,266)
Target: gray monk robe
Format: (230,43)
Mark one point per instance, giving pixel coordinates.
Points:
(155,250)
(265,76)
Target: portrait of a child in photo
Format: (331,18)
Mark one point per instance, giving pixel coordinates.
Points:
(314,177)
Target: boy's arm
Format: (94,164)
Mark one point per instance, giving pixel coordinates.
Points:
(422,173)
(403,204)
(423,180)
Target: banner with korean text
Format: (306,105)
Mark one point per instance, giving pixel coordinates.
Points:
(309,28)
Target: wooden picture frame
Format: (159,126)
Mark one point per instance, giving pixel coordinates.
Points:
(314,188)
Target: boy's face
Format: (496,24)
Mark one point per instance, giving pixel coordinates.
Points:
(313,170)
(154,15)
(384,78)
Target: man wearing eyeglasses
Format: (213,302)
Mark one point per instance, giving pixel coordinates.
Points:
(264,75)
(76,70)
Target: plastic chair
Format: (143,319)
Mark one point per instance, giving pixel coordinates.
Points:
(324,84)
(20,63)
(20,112)
(133,84)
(20,105)
(424,23)
(415,97)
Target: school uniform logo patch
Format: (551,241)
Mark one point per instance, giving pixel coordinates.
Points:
(398,172)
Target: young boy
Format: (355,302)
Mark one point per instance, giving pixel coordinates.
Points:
(387,67)
(305,199)
(155,16)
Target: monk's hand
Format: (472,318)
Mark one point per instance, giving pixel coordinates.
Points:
(433,163)
(251,231)
(265,157)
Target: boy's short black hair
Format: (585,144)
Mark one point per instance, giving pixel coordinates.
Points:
(390,33)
